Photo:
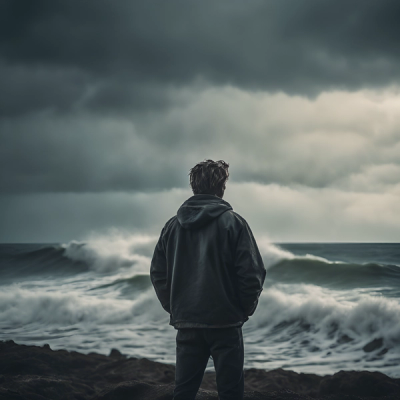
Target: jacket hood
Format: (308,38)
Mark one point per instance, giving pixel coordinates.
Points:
(201,209)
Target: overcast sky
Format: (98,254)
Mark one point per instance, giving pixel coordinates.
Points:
(105,105)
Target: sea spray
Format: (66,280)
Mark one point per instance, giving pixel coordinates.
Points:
(273,254)
(107,253)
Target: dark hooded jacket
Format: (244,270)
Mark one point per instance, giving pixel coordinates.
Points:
(206,269)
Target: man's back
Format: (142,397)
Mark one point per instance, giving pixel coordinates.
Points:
(206,268)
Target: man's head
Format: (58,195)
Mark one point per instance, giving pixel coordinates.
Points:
(209,177)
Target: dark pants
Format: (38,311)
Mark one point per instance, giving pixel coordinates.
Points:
(193,349)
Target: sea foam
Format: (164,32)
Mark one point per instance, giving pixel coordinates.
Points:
(110,252)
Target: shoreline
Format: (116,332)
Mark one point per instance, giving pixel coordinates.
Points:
(33,372)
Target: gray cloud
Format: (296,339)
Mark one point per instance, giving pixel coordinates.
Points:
(28,89)
(60,217)
(103,102)
(339,139)
(46,153)
(274,212)
(123,54)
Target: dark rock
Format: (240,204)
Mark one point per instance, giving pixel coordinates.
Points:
(279,379)
(140,390)
(39,373)
(360,383)
(136,390)
(115,353)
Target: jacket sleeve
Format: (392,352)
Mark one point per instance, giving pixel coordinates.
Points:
(159,273)
(250,270)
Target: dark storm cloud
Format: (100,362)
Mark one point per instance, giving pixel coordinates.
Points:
(58,217)
(109,95)
(117,53)
(346,139)
(106,105)
(27,89)
(56,154)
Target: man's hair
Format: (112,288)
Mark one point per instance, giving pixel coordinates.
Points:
(209,177)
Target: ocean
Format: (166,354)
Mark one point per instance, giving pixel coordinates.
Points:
(325,307)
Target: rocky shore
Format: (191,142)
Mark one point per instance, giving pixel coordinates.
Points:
(39,373)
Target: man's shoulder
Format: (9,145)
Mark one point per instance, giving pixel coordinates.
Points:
(170,222)
(235,217)
(230,215)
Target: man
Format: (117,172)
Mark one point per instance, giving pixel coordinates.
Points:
(208,274)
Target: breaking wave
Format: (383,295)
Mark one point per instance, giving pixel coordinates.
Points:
(132,254)
(97,294)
